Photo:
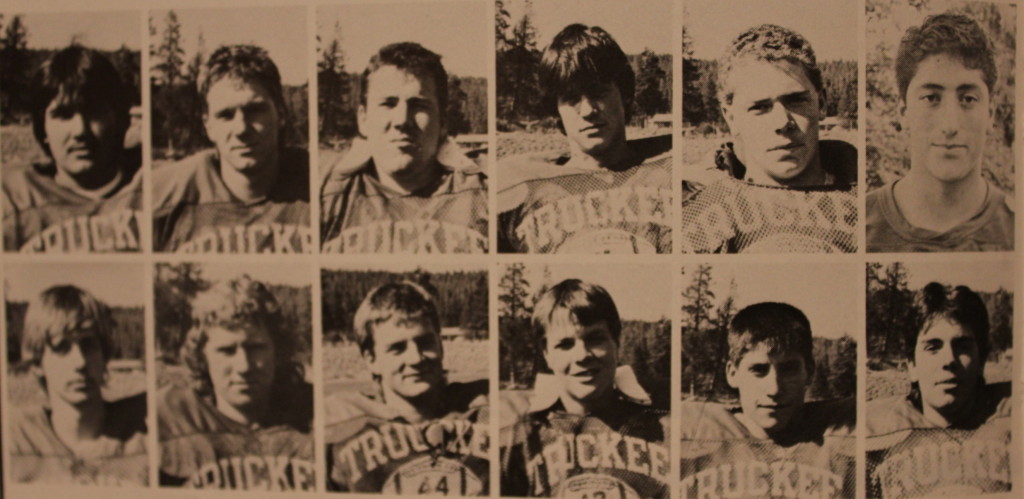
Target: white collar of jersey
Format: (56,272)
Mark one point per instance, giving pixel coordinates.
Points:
(450,154)
(546,389)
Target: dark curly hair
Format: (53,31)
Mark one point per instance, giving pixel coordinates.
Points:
(954,34)
(771,43)
(780,326)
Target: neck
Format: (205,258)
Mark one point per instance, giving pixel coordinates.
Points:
(813,175)
(423,408)
(254,413)
(77,425)
(950,418)
(413,179)
(928,203)
(251,187)
(94,185)
(583,407)
(614,156)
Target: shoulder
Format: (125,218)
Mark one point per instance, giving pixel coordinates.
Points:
(30,432)
(836,417)
(25,186)
(652,149)
(462,397)
(1002,201)
(522,168)
(180,412)
(181,182)
(127,417)
(514,406)
(349,412)
(710,421)
(890,420)
(994,401)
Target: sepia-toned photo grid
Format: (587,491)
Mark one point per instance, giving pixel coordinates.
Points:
(259,269)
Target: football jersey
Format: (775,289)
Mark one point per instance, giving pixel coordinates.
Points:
(42,216)
(547,206)
(119,457)
(908,456)
(720,458)
(202,448)
(196,213)
(732,215)
(359,214)
(371,449)
(619,452)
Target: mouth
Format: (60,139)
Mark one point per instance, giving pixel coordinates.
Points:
(592,128)
(787,147)
(949,147)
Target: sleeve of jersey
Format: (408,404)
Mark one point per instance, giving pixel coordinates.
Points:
(170,196)
(180,420)
(706,220)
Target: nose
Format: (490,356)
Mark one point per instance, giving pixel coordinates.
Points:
(586,106)
(782,117)
(948,357)
(243,361)
(75,356)
(78,125)
(949,118)
(771,384)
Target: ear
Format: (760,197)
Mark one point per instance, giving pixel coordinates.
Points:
(730,374)
(206,124)
(371,361)
(912,371)
(727,114)
(903,114)
(361,119)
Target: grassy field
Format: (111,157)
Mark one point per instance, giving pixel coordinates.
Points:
(344,368)
(24,389)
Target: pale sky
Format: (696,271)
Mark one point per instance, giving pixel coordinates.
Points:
(98,30)
(460,31)
(827,293)
(634,25)
(830,25)
(979,276)
(291,274)
(279,30)
(640,291)
(116,284)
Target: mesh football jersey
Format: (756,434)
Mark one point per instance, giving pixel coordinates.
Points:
(371,450)
(361,215)
(547,206)
(730,215)
(720,458)
(42,216)
(618,453)
(907,456)
(119,458)
(196,213)
(202,448)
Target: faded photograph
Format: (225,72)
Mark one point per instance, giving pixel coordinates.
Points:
(76,378)
(940,365)
(69,94)
(770,117)
(403,127)
(234,377)
(584,91)
(769,359)
(229,106)
(406,379)
(584,363)
(940,122)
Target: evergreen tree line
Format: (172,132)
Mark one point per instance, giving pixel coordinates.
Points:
(19,64)
(894,311)
(701,108)
(176,285)
(176,117)
(519,104)
(461,298)
(128,340)
(644,345)
(705,349)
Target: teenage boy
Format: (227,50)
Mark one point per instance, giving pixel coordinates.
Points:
(416,433)
(582,435)
(776,187)
(945,71)
(75,436)
(608,194)
(774,443)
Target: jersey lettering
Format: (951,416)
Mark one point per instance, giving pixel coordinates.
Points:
(779,479)
(109,231)
(280,473)
(408,236)
(591,451)
(935,466)
(277,238)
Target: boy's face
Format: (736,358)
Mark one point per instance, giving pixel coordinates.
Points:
(244,123)
(582,358)
(73,367)
(241,366)
(947,113)
(408,357)
(947,366)
(773,119)
(401,120)
(594,122)
(772,386)
(83,138)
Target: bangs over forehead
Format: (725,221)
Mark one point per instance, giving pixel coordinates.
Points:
(405,302)
(584,60)
(577,303)
(65,312)
(778,326)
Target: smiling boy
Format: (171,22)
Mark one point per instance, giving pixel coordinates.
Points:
(773,443)
(414,433)
(583,435)
(250,192)
(608,194)
(776,187)
(946,73)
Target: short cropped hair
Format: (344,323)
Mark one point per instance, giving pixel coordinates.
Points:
(962,306)
(77,77)
(770,43)
(415,59)
(582,60)
(405,301)
(59,311)
(780,326)
(247,63)
(236,304)
(581,302)
(953,34)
